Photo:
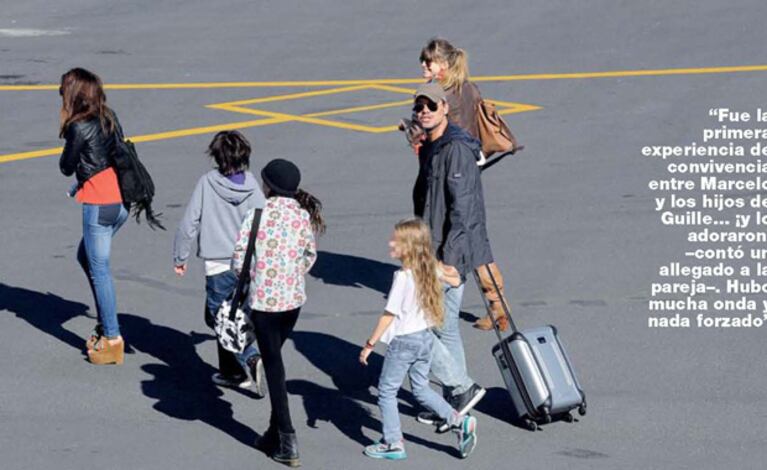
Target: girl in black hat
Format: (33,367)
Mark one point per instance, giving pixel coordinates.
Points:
(285,251)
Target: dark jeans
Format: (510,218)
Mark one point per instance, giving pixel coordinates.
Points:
(272,329)
(217,289)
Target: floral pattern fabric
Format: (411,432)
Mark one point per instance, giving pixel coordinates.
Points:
(285,251)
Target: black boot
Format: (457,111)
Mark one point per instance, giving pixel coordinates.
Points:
(268,442)
(287,453)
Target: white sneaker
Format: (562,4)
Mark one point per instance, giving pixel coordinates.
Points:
(256,367)
(482,159)
(241,381)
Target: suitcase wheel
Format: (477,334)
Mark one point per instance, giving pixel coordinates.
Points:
(582,409)
(531,425)
(568,418)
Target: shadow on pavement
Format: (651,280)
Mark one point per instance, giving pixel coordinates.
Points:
(347,414)
(181,384)
(46,312)
(353,271)
(348,406)
(497,404)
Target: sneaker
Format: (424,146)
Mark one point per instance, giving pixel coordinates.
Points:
(482,159)
(464,402)
(240,381)
(256,367)
(428,417)
(386,451)
(467,436)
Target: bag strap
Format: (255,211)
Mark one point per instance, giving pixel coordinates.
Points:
(244,280)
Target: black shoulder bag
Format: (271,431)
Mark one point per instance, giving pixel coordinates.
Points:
(136,185)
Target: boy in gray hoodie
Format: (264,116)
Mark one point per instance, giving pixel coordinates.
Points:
(213,218)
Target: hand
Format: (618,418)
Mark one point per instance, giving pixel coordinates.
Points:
(364,355)
(180,270)
(449,274)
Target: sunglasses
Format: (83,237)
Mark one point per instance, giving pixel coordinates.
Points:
(429,104)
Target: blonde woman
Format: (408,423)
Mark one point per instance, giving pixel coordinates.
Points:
(449,66)
(413,308)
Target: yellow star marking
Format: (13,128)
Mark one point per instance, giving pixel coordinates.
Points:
(315,118)
(271,117)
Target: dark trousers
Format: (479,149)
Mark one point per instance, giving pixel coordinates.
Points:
(272,329)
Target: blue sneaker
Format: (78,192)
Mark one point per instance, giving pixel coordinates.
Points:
(467,436)
(386,451)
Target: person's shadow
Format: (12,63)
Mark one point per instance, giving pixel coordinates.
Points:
(181,383)
(346,414)
(348,406)
(353,271)
(47,312)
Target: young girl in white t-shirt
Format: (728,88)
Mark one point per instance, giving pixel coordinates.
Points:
(414,306)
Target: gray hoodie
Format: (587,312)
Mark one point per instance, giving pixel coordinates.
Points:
(214,215)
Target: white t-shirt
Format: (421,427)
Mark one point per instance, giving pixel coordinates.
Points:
(403,304)
(217,266)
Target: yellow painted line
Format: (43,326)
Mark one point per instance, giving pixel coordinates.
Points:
(292,96)
(310,120)
(34,154)
(206,130)
(407,81)
(395,89)
(152,137)
(506,107)
(219,85)
(521,109)
(623,73)
(28,87)
(357,109)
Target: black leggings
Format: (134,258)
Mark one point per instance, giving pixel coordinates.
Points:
(272,329)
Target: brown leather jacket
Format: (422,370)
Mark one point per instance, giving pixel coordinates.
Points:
(463,107)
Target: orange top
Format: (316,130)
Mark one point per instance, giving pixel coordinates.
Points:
(101,188)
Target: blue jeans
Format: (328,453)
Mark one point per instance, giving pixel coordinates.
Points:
(100,224)
(449,364)
(408,355)
(219,287)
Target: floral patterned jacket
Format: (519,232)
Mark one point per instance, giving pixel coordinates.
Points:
(285,251)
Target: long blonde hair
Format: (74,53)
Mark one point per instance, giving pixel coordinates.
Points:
(414,239)
(457,60)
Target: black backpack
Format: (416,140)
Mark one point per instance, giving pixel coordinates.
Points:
(136,185)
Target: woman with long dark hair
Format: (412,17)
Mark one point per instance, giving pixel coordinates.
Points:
(89,127)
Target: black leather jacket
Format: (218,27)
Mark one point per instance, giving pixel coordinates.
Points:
(88,150)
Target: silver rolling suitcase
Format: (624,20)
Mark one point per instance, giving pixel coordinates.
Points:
(537,371)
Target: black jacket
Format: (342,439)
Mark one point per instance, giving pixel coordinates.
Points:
(88,149)
(448,197)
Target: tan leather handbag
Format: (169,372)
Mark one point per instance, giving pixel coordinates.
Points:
(493,131)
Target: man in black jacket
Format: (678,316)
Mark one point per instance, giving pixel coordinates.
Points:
(448,196)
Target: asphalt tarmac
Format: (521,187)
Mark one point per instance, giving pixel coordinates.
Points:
(571,221)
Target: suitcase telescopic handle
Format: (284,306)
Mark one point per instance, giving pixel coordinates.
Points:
(501,299)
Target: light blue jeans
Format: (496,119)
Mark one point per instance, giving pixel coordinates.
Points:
(409,355)
(449,363)
(100,224)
